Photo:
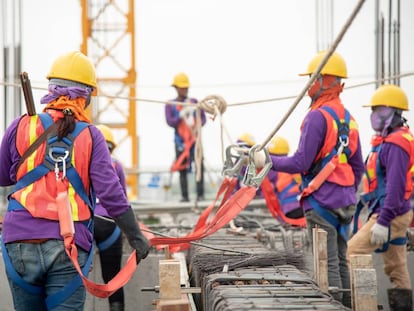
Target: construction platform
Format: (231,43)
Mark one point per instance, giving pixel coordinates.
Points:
(265,266)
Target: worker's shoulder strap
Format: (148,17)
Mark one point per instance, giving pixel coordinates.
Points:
(49,127)
(343,129)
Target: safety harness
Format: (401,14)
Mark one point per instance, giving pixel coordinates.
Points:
(274,207)
(376,198)
(323,168)
(57,159)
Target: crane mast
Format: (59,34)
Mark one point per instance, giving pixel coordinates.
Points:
(108,38)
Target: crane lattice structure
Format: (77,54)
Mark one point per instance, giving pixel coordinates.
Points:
(108,34)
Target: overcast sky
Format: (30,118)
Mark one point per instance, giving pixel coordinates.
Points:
(242,50)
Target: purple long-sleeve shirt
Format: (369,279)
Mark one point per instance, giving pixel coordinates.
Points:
(20,225)
(329,195)
(395,161)
(99,209)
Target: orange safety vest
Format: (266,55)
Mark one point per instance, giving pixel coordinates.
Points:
(285,180)
(342,174)
(402,138)
(39,197)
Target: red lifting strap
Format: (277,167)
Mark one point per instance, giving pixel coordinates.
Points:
(183,160)
(102,290)
(274,206)
(226,212)
(67,231)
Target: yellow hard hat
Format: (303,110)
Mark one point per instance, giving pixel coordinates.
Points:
(181,80)
(389,95)
(107,134)
(279,145)
(74,66)
(247,138)
(335,66)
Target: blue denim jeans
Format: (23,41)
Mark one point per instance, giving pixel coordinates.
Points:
(48,266)
(338,274)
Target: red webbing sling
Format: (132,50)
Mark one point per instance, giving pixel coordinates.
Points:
(226,212)
(67,231)
(183,161)
(227,186)
(274,206)
(228,209)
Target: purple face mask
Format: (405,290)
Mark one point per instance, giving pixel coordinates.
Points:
(381,117)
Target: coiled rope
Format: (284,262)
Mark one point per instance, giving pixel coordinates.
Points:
(214,105)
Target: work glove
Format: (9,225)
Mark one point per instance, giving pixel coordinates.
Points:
(379,234)
(186,112)
(259,158)
(136,239)
(189,120)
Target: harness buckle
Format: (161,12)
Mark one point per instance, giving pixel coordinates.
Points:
(343,143)
(252,177)
(232,168)
(57,159)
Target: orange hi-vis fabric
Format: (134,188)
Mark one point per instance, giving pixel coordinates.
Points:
(342,174)
(39,197)
(402,138)
(274,207)
(285,179)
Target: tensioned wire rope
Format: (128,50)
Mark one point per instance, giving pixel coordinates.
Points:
(216,105)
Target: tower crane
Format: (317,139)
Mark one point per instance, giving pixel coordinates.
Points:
(108,38)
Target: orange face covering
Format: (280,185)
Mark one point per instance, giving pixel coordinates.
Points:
(330,89)
(77,106)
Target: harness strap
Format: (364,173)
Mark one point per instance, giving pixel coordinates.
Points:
(110,240)
(53,300)
(35,290)
(274,207)
(57,298)
(329,217)
(320,178)
(398,241)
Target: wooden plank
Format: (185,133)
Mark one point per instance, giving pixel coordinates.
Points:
(356,263)
(365,286)
(320,258)
(169,278)
(174,304)
(184,281)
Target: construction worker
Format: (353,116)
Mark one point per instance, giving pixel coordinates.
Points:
(387,191)
(329,141)
(57,161)
(107,234)
(183,118)
(286,186)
